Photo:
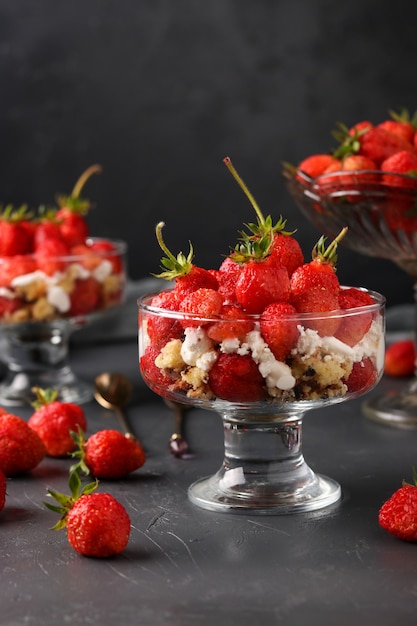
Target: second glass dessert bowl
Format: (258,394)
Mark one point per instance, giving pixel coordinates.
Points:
(42,301)
(226,366)
(380,210)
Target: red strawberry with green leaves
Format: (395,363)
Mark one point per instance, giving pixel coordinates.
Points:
(85,297)
(53,420)
(97,524)
(15,236)
(47,226)
(204,303)
(400,358)
(187,276)
(3,482)
(398,515)
(353,327)
(315,287)
(107,454)
(73,209)
(402,162)
(278,330)
(371,141)
(401,124)
(21,449)
(362,377)
(236,378)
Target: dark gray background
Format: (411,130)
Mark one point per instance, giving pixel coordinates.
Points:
(159,92)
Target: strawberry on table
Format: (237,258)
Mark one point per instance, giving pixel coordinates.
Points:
(21,448)
(398,515)
(53,420)
(107,454)
(400,358)
(97,524)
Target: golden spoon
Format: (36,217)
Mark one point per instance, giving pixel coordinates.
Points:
(113,391)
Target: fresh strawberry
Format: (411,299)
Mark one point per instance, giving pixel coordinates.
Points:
(52,256)
(13,266)
(403,162)
(152,374)
(85,297)
(205,303)
(353,327)
(236,378)
(227,277)
(108,251)
(73,209)
(316,164)
(3,482)
(97,524)
(188,277)
(400,358)
(398,515)
(279,331)
(287,250)
(362,377)
(401,124)
(161,329)
(21,449)
(15,238)
(107,454)
(315,287)
(232,325)
(46,227)
(9,305)
(53,420)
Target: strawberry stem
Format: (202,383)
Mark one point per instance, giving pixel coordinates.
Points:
(245,189)
(93,169)
(328,255)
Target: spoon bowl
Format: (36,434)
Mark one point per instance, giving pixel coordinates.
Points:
(113,391)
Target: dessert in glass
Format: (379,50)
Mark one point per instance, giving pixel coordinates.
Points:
(379,208)
(54,279)
(242,341)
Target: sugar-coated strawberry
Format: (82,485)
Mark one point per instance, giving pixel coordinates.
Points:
(362,377)
(85,297)
(97,524)
(279,331)
(400,358)
(234,324)
(54,420)
(398,515)
(107,454)
(353,327)
(315,287)
(21,449)
(403,162)
(206,303)
(15,237)
(236,378)
(3,482)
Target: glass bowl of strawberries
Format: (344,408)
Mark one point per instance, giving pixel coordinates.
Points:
(369,184)
(54,278)
(261,340)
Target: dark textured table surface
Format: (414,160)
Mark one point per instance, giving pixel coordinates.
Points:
(186,566)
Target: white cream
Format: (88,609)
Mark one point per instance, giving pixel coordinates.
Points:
(195,345)
(58,298)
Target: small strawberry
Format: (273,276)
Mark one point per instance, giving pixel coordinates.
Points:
(14,266)
(53,420)
(279,331)
(315,287)
(107,454)
(21,449)
(85,297)
(402,162)
(401,124)
(228,274)
(353,327)
(236,378)
(260,284)
(52,256)
(205,303)
(400,358)
(97,524)
(15,237)
(108,251)
(316,164)
(3,482)
(234,324)
(362,377)
(152,374)
(398,515)
(188,277)
(159,328)
(73,209)
(46,227)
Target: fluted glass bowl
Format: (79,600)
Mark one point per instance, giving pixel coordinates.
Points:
(42,301)
(261,400)
(380,210)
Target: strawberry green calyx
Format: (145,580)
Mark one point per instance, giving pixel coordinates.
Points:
(175,266)
(349,141)
(403,116)
(13,214)
(44,397)
(80,440)
(74,202)
(66,502)
(328,255)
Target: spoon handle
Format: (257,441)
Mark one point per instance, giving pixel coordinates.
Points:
(124,423)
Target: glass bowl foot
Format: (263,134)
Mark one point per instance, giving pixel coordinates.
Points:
(262,499)
(394,409)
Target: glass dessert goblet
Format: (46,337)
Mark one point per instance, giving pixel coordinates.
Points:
(380,210)
(226,365)
(42,301)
